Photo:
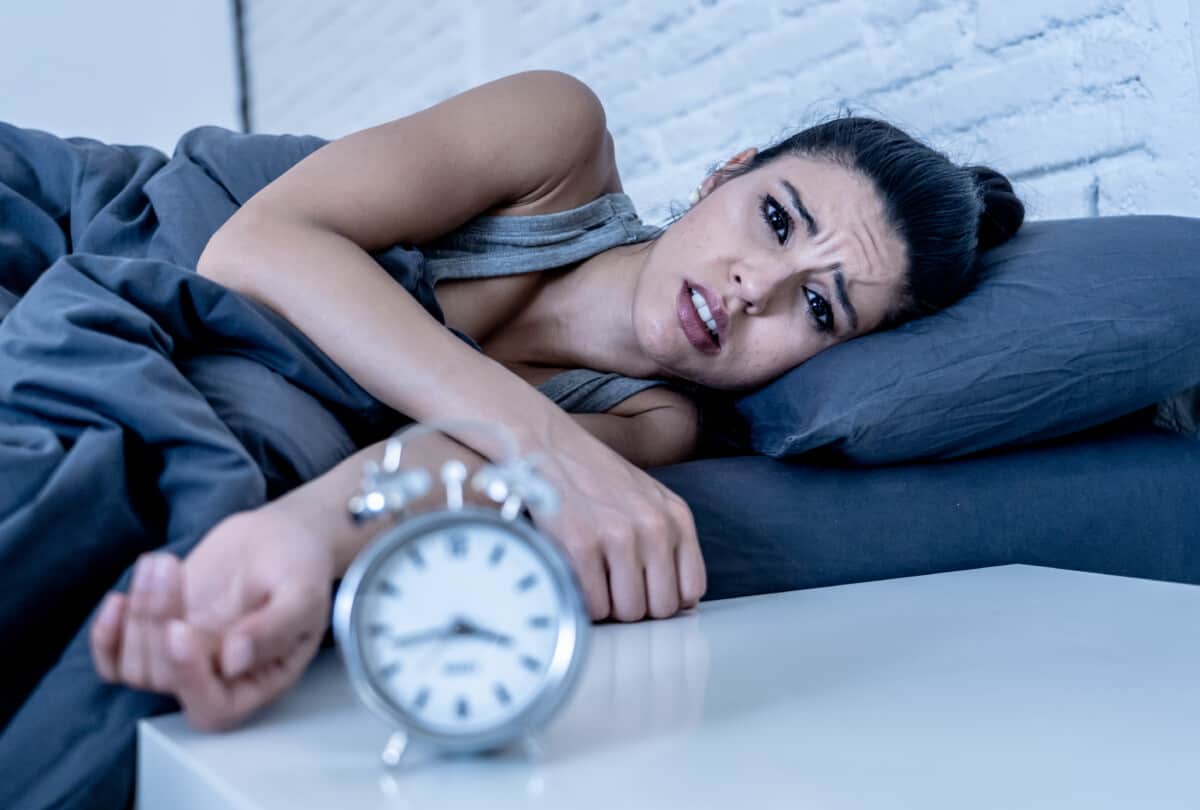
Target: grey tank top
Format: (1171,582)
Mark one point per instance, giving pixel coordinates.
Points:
(491,246)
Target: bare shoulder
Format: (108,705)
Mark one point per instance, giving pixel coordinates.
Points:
(532,139)
(574,129)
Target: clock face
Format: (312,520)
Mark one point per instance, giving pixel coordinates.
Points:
(458,626)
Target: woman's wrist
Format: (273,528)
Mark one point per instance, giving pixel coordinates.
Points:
(320,510)
(307,524)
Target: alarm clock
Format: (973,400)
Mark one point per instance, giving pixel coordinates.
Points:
(464,626)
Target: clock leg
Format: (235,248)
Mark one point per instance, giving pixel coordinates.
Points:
(394,750)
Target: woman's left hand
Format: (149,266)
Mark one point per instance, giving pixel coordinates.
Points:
(229,628)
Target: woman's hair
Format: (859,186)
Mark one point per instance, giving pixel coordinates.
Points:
(946,214)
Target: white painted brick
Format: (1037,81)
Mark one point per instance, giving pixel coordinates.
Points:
(1092,104)
(894,61)
(753,61)
(1060,195)
(896,13)
(1000,23)
(1145,185)
(991,89)
(1037,141)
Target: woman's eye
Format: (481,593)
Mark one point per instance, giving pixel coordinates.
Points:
(821,312)
(778,220)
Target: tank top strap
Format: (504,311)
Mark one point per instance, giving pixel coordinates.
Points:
(489,246)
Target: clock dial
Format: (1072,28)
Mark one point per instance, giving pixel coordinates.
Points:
(459,627)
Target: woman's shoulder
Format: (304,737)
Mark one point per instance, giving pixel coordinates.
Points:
(588,168)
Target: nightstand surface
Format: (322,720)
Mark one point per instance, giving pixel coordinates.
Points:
(1008,687)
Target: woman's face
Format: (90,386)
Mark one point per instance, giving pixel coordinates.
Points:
(791,258)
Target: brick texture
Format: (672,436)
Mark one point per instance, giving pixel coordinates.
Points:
(1091,106)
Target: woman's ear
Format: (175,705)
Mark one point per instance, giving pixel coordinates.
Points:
(716,178)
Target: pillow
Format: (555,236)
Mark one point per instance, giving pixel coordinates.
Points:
(1073,323)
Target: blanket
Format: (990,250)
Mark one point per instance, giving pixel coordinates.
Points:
(128,386)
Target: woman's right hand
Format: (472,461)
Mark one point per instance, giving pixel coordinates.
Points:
(227,629)
(632,541)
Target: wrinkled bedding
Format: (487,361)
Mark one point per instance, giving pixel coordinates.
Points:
(128,386)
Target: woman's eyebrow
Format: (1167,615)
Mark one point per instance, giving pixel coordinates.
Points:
(851,312)
(809,222)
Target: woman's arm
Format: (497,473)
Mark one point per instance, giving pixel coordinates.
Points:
(301,245)
(230,628)
(652,428)
(233,625)
(321,504)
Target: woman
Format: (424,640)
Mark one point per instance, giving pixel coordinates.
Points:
(841,230)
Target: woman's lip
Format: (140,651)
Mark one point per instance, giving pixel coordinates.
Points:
(715,308)
(695,330)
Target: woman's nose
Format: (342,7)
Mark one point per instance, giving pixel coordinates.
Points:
(758,284)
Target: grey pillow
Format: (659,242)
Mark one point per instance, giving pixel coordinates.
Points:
(1073,323)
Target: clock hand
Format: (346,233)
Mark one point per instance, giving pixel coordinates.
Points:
(425,635)
(458,626)
(499,638)
(472,629)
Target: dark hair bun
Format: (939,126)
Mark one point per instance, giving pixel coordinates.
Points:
(1002,213)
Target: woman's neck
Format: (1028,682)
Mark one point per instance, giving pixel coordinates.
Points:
(582,317)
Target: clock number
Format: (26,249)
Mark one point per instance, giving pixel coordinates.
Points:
(526,582)
(496,555)
(462,708)
(539,622)
(421,699)
(390,670)
(387,588)
(502,694)
(417,559)
(458,544)
(530,663)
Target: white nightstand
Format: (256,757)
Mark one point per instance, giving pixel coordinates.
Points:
(1010,687)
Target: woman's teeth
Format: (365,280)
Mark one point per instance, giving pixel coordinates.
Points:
(702,309)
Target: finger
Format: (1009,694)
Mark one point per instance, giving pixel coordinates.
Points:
(693,578)
(166,603)
(198,688)
(588,563)
(626,580)
(105,637)
(272,631)
(662,581)
(212,703)
(132,665)
(268,682)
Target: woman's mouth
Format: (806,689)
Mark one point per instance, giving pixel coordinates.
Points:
(691,309)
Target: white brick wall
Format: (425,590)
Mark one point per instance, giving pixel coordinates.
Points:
(1092,106)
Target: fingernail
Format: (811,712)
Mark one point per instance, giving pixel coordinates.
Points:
(179,641)
(108,610)
(141,572)
(159,572)
(238,655)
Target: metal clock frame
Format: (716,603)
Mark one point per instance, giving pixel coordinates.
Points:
(558,681)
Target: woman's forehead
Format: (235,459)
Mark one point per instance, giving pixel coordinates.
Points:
(847,216)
